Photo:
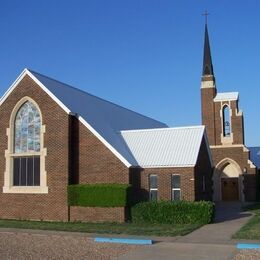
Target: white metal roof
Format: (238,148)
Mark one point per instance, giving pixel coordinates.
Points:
(226,96)
(166,147)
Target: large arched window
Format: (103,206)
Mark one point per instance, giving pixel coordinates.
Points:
(25,156)
(27,129)
(226,121)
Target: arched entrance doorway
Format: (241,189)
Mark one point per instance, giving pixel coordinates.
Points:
(227,181)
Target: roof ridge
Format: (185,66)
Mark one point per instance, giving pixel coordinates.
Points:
(85,92)
(166,128)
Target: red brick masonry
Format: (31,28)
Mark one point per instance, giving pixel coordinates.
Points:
(96,214)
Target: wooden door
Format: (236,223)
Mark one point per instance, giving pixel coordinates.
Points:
(229,188)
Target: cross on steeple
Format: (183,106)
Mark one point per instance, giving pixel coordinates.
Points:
(206,14)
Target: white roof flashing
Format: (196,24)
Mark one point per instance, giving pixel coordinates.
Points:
(226,96)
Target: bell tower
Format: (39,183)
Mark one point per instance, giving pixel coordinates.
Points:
(208,91)
(234,173)
(220,112)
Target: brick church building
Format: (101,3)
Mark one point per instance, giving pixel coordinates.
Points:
(53,135)
(234,176)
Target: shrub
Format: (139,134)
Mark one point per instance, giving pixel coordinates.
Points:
(98,195)
(168,212)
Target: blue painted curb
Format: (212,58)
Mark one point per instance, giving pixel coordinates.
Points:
(248,246)
(124,241)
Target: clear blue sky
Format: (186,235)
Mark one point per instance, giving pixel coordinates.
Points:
(143,54)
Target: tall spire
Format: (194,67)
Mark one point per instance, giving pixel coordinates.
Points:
(207,61)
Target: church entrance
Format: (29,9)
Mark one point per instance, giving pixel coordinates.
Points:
(229,188)
(227,181)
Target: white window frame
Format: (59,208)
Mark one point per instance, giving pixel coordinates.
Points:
(9,155)
(173,189)
(153,189)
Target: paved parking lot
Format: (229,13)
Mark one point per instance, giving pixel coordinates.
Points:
(22,244)
(56,246)
(247,255)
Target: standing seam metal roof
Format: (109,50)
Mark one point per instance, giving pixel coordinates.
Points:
(167,147)
(105,117)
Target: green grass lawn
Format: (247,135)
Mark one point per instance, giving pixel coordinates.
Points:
(107,228)
(252,229)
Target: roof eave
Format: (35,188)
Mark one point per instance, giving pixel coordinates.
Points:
(66,109)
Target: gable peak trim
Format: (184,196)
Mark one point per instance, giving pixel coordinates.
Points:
(66,109)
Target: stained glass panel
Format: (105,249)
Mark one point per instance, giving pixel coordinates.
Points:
(27,129)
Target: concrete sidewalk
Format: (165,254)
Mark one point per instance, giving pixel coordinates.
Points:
(213,241)
(228,220)
(165,251)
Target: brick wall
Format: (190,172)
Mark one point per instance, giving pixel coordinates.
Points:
(250,187)
(237,154)
(208,112)
(97,214)
(237,123)
(51,206)
(96,163)
(164,182)
(203,169)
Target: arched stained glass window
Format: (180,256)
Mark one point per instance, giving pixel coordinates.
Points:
(27,129)
(26,155)
(27,146)
(226,121)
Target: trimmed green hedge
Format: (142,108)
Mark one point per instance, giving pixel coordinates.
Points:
(168,212)
(98,195)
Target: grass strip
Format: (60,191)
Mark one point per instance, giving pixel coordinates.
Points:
(251,230)
(104,228)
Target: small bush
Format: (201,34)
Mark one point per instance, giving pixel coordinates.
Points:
(168,212)
(98,195)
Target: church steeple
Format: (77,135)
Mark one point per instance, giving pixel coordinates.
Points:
(207,70)
(208,90)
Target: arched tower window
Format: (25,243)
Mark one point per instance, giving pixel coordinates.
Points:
(25,156)
(226,121)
